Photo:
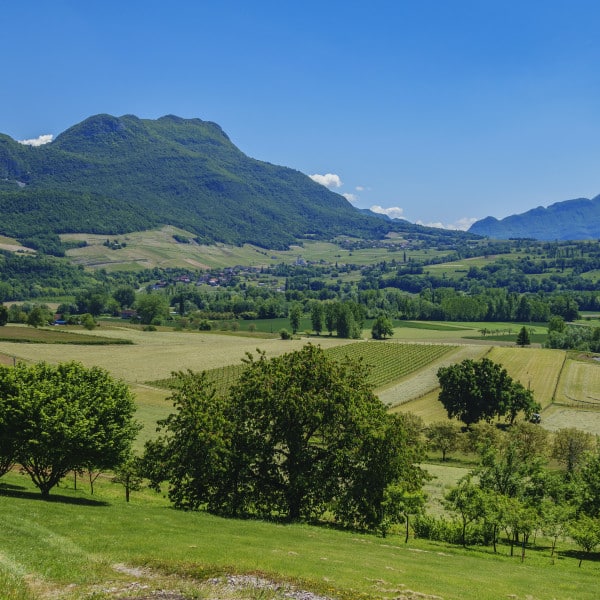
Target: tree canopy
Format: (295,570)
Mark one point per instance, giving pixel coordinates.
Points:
(482,390)
(59,418)
(298,435)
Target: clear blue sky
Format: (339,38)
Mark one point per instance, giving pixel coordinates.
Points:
(443,109)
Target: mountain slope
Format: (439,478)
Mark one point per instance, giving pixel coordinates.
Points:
(569,220)
(112,175)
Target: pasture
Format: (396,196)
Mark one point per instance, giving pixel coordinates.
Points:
(158,248)
(98,547)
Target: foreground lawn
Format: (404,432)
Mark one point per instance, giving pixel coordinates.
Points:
(80,546)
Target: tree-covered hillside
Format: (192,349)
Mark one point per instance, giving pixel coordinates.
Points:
(113,175)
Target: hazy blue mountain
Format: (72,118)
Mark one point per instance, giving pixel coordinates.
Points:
(114,175)
(569,220)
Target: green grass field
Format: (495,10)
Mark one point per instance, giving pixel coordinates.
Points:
(78,546)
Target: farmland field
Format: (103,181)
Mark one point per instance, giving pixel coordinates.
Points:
(425,380)
(156,354)
(390,361)
(580,384)
(537,369)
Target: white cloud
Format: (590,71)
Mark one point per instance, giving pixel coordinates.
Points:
(393,212)
(39,141)
(329,180)
(359,188)
(350,197)
(462,224)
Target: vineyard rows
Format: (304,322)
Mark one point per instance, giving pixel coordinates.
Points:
(391,361)
(387,362)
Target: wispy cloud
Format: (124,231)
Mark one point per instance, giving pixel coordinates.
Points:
(329,180)
(39,141)
(462,224)
(350,197)
(393,212)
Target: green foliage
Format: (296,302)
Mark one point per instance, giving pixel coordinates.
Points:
(3,315)
(62,418)
(476,390)
(382,328)
(296,436)
(570,447)
(444,436)
(586,533)
(523,338)
(152,308)
(295,315)
(38,316)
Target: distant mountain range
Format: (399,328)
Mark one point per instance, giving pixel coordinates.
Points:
(569,220)
(113,175)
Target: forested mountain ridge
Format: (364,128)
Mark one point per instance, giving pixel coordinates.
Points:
(577,219)
(113,175)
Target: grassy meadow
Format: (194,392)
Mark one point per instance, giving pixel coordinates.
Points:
(78,546)
(158,248)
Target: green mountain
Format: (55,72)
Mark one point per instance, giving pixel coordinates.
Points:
(569,220)
(113,175)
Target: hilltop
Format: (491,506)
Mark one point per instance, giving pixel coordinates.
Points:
(113,175)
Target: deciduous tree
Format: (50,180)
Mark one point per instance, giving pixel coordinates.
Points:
(69,418)
(297,435)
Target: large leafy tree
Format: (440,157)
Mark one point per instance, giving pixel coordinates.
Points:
(67,417)
(297,435)
(482,390)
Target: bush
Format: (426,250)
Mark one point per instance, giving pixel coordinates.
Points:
(285,334)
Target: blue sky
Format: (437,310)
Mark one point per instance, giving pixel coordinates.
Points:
(441,111)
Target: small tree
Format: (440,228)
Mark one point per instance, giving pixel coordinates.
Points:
(382,328)
(295,315)
(3,315)
(468,500)
(571,446)
(69,418)
(523,338)
(38,316)
(586,533)
(129,474)
(443,436)
(152,308)
(317,314)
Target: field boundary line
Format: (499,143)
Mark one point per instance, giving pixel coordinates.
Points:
(560,374)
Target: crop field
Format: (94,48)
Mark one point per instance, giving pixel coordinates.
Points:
(580,384)
(21,334)
(390,361)
(536,369)
(425,381)
(387,362)
(156,354)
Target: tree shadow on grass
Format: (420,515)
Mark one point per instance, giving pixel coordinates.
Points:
(17,491)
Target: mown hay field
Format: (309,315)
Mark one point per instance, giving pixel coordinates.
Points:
(579,384)
(157,354)
(536,369)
